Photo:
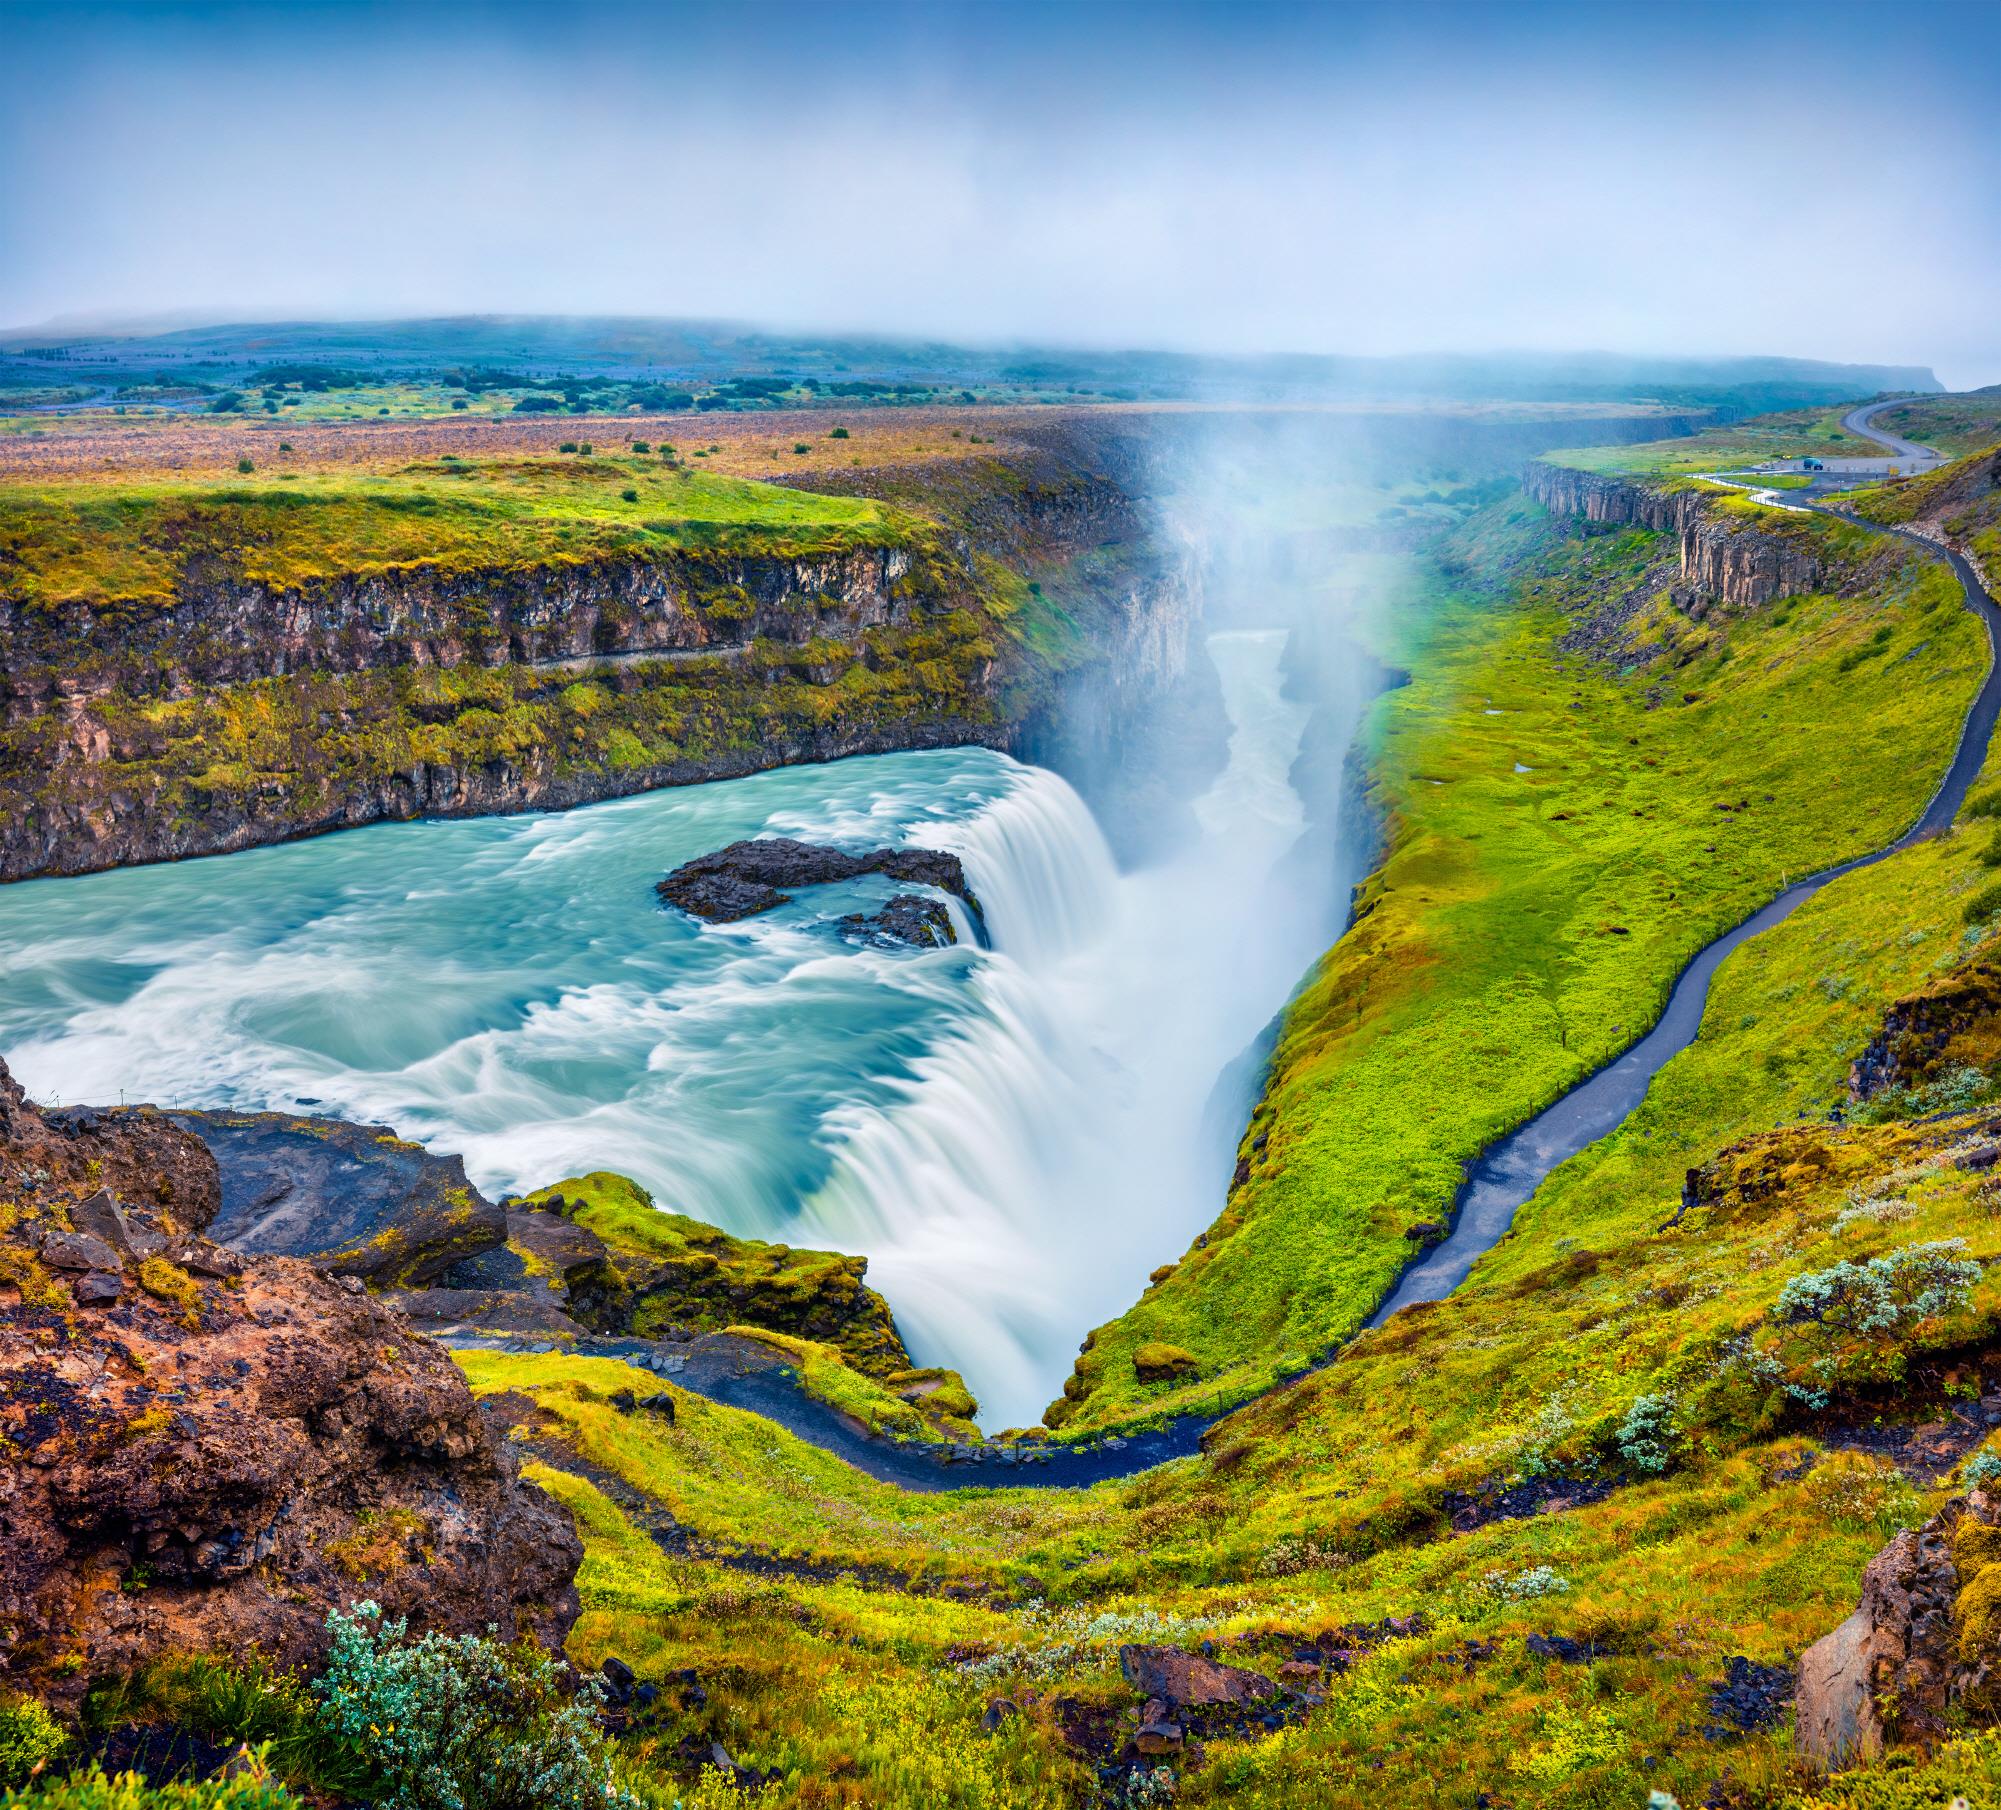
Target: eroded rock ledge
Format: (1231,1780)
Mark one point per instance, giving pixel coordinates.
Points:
(1736,563)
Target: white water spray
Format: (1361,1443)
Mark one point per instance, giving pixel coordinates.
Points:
(1042,1160)
(1014,1137)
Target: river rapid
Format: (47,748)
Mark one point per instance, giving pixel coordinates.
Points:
(1013,1136)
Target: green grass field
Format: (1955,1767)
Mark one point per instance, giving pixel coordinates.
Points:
(116,543)
(1794,434)
(1565,835)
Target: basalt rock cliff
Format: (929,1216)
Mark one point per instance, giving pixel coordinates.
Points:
(220,629)
(234,713)
(1735,563)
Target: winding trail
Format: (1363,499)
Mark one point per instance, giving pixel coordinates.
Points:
(1499,1182)
(1507,1172)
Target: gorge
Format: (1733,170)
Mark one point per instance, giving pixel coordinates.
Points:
(1339,815)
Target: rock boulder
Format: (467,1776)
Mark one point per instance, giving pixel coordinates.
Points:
(206,1452)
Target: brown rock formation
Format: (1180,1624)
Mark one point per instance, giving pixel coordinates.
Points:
(204,1451)
(1180,1680)
(1925,1640)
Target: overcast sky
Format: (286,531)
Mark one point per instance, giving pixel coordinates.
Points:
(1822,181)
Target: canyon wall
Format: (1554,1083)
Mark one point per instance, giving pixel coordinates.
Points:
(235,714)
(1737,562)
(218,631)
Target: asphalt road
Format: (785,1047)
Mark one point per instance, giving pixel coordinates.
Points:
(1860,422)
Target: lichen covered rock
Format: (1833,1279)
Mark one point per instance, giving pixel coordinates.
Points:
(1921,1652)
(202,1451)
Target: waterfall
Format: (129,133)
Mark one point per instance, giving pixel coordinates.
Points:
(1054,1148)
(1039,866)
(1014,1136)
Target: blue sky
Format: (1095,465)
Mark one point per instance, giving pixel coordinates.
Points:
(1821,180)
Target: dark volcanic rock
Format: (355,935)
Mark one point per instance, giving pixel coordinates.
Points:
(908,921)
(354,1199)
(134,1157)
(1953,1022)
(252,1441)
(750,877)
(1751,1697)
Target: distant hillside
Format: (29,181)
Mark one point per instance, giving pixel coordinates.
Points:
(701,353)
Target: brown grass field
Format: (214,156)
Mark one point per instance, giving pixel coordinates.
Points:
(761,445)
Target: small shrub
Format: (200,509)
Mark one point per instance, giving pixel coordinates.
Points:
(462,1723)
(584,446)
(630,496)
(30,1737)
(641,446)
(1982,1469)
(1526,1586)
(567,446)
(1646,1436)
(1954,1091)
(802,449)
(839,433)
(1884,1294)
(245,466)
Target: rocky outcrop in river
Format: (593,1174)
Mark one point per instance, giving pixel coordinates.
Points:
(752,876)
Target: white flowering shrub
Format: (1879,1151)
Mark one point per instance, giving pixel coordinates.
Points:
(1646,1436)
(1883,1294)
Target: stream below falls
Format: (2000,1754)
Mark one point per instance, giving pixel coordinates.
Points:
(1015,1137)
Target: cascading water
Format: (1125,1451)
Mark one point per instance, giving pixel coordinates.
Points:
(1014,1137)
(1043,1159)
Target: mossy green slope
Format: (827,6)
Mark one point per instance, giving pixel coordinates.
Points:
(1566,832)
(1961,500)
(1328,1507)
(677,1272)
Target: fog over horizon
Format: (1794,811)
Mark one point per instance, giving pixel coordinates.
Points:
(1360,180)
